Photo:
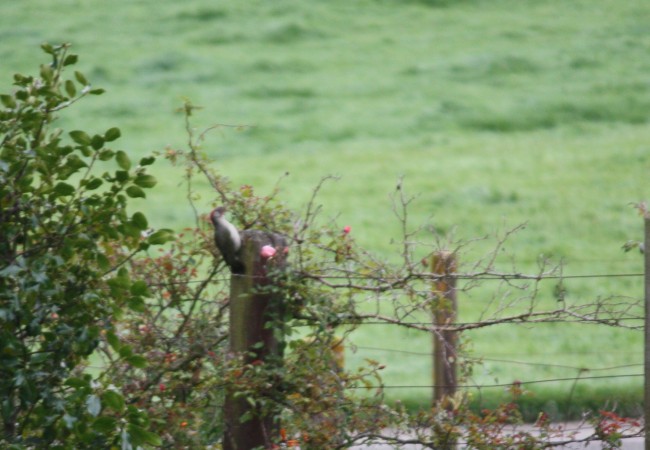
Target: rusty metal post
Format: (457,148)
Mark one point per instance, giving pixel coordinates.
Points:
(253,303)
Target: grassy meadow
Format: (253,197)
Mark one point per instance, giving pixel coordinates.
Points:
(492,112)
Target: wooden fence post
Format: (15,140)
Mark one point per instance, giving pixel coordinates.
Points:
(252,304)
(443,263)
(646,352)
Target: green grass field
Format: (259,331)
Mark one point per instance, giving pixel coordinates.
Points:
(494,112)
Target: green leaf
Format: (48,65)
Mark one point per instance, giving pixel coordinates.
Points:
(106,154)
(160,237)
(136,304)
(103,262)
(126,351)
(77,383)
(112,134)
(97,91)
(94,183)
(70,88)
(70,59)
(123,160)
(145,181)
(122,176)
(64,189)
(129,229)
(113,400)
(47,73)
(47,48)
(113,341)
(137,361)
(147,161)
(93,405)
(139,288)
(139,436)
(80,137)
(140,221)
(8,101)
(81,78)
(135,192)
(104,424)
(97,142)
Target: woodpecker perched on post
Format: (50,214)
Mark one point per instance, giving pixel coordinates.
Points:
(227,239)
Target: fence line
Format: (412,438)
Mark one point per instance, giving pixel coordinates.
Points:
(500,385)
(425,276)
(508,361)
(504,322)
(443,276)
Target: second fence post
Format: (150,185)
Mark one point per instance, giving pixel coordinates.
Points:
(646,248)
(443,265)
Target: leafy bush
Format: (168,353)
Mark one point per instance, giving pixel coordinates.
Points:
(65,237)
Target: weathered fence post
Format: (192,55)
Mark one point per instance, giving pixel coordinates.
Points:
(646,352)
(253,302)
(443,264)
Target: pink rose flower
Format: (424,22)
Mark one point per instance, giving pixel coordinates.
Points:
(267,252)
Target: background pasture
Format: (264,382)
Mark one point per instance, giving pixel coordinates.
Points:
(493,112)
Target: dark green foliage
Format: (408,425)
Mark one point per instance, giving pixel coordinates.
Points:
(64,234)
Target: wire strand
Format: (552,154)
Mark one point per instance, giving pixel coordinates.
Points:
(498,385)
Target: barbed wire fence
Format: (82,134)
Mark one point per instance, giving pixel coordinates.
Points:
(423,320)
(427,326)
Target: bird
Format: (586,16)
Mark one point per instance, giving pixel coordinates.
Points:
(227,239)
